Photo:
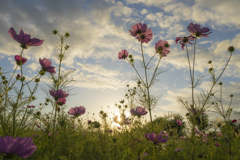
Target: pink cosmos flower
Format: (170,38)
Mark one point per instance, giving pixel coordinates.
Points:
(17,59)
(123,54)
(178,149)
(145,37)
(197,31)
(61,101)
(143,156)
(184,40)
(77,111)
(24,39)
(138,112)
(219,133)
(46,65)
(162,47)
(157,139)
(32,106)
(22,147)
(217,144)
(233,121)
(147,135)
(181,137)
(179,122)
(58,94)
(138,29)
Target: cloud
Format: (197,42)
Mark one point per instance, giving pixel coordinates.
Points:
(144,11)
(97,69)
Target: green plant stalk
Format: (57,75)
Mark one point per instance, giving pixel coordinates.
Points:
(149,105)
(57,89)
(15,106)
(27,107)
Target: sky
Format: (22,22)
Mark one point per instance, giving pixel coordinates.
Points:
(99,30)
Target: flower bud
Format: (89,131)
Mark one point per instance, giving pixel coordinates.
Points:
(231,95)
(38,113)
(55,32)
(231,49)
(37,80)
(126,106)
(209,62)
(5,82)
(66,47)
(131,60)
(3,77)
(42,73)
(101,112)
(67,34)
(22,79)
(130,56)
(127,85)
(122,101)
(47,100)
(126,95)
(18,77)
(33,97)
(119,106)
(210,70)
(220,83)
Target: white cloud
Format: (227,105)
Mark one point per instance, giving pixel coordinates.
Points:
(144,11)
(33,66)
(97,69)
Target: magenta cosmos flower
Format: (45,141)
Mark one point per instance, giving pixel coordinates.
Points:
(137,29)
(179,122)
(77,111)
(61,101)
(184,40)
(58,94)
(145,37)
(178,149)
(162,47)
(23,147)
(46,65)
(156,139)
(233,121)
(18,60)
(123,54)
(197,31)
(24,39)
(138,112)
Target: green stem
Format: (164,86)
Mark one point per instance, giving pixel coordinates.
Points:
(149,105)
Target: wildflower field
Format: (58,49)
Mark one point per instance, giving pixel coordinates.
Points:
(27,133)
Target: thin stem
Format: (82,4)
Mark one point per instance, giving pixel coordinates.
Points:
(149,105)
(150,59)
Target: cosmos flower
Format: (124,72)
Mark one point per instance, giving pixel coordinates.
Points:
(197,31)
(123,54)
(233,121)
(144,156)
(46,65)
(18,61)
(137,29)
(77,111)
(178,149)
(145,37)
(32,106)
(58,94)
(61,101)
(24,39)
(22,147)
(138,112)
(217,144)
(162,47)
(179,122)
(156,139)
(184,40)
